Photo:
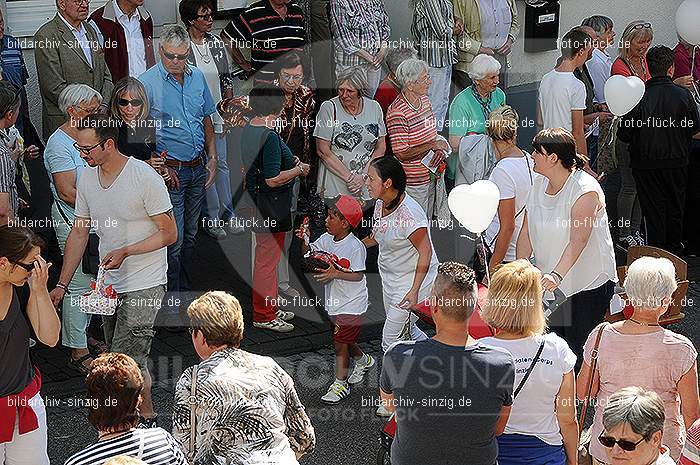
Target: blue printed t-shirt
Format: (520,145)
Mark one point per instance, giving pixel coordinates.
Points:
(60,156)
(179,110)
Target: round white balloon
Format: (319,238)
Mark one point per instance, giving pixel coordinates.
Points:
(474,205)
(622,93)
(688,21)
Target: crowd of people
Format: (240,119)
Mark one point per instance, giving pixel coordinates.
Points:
(148,142)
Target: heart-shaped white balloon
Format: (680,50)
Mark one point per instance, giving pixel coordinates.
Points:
(474,205)
(622,93)
(688,21)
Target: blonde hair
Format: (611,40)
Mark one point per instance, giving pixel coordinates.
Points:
(502,123)
(514,301)
(218,315)
(124,460)
(630,34)
(136,89)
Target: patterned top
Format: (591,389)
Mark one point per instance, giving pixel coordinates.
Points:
(296,121)
(432,28)
(358,25)
(248,412)
(408,128)
(8,171)
(691,451)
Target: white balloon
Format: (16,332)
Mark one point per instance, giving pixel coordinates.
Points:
(688,21)
(474,205)
(622,93)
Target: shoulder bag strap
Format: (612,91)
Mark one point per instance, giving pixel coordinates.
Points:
(594,367)
(522,209)
(193,413)
(529,370)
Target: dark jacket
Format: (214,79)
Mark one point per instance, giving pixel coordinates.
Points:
(117,58)
(139,142)
(660,128)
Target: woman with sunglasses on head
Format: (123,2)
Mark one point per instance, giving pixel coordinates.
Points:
(633,422)
(23,433)
(64,166)
(639,352)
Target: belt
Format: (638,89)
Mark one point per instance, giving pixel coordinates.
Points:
(180,164)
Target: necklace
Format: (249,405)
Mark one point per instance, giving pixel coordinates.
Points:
(643,324)
(635,71)
(206,56)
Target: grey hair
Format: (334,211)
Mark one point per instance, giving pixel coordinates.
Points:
(642,410)
(75,94)
(649,281)
(355,76)
(396,56)
(598,23)
(175,35)
(482,66)
(409,70)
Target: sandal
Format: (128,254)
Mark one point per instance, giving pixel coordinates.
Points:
(96,346)
(79,364)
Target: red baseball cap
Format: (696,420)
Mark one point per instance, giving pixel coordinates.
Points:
(350,208)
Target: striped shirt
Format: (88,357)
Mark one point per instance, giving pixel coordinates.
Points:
(154,446)
(432,28)
(268,36)
(409,128)
(358,25)
(8,171)
(691,451)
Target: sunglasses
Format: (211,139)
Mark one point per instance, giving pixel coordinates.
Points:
(172,56)
(609,442)
(29,267)
(122,102)
(87,150)
(640,26)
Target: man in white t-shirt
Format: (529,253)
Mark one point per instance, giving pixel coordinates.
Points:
(127,203)
(562,97)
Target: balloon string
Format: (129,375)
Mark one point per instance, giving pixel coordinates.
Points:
(481,251)
(613,128)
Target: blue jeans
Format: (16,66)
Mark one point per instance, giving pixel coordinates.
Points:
(187,203)
(219,200)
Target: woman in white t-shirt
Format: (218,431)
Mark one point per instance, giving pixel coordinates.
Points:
(514,177)
(542,426)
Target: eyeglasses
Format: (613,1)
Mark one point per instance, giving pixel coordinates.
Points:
(207,16)
(87,150)
(137,102)
(173,56)
(291,77)
(609,442)
(89,111)
(29,267)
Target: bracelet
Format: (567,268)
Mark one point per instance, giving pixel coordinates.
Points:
(60,285)
(557,275)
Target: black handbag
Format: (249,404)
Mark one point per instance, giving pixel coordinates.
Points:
(91,255)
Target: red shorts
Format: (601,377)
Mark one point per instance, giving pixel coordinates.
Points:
(346,328)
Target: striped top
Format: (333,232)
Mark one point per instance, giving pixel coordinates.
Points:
(691,451)
(154,446)
(268,36)
(358,25)
(8,171)
(408,128)
(432,28)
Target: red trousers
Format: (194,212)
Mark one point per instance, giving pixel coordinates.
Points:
(268,251)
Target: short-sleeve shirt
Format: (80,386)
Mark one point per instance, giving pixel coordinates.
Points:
(560,94)
(268,36)
(533,412)
(345,297)
(353,140)
(468,116)
(408,127)
(441,391)
(179,110)
(60,156)
(655,362)
(141,194)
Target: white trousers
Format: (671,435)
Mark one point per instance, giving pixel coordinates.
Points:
(439,93)
(400,324)
(28,448)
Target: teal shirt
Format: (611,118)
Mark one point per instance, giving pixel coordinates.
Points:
(466,116)
(276,156)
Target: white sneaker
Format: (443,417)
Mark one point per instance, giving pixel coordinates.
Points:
(358,373)
(336,392)
(382,412)
(277,325)
(284,315)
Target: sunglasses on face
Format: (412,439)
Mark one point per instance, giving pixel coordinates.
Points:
(122,102)
(173,56)
(609,442)
(87,150)
(28,267)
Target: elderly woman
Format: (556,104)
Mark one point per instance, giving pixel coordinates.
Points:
(413,133)
(114,388)
(233,423)
(633,420)
(389,89)
(513,175)
(64,165)
(566,228)
(514,310)
(639,352)
(208,53)
(360,30)
(271,172)
(350,133)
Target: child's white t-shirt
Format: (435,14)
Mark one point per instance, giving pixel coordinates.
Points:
(345,297)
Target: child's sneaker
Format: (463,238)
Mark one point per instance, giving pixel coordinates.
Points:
(361,368)
(285,316)
(336,392)
(277,325)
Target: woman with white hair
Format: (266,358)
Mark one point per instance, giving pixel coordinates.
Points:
(64,165)
(639,352)
(633,423)
(413,134)
(470,109)
(389,89)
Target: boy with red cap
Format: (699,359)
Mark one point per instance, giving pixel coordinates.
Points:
(346,291)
